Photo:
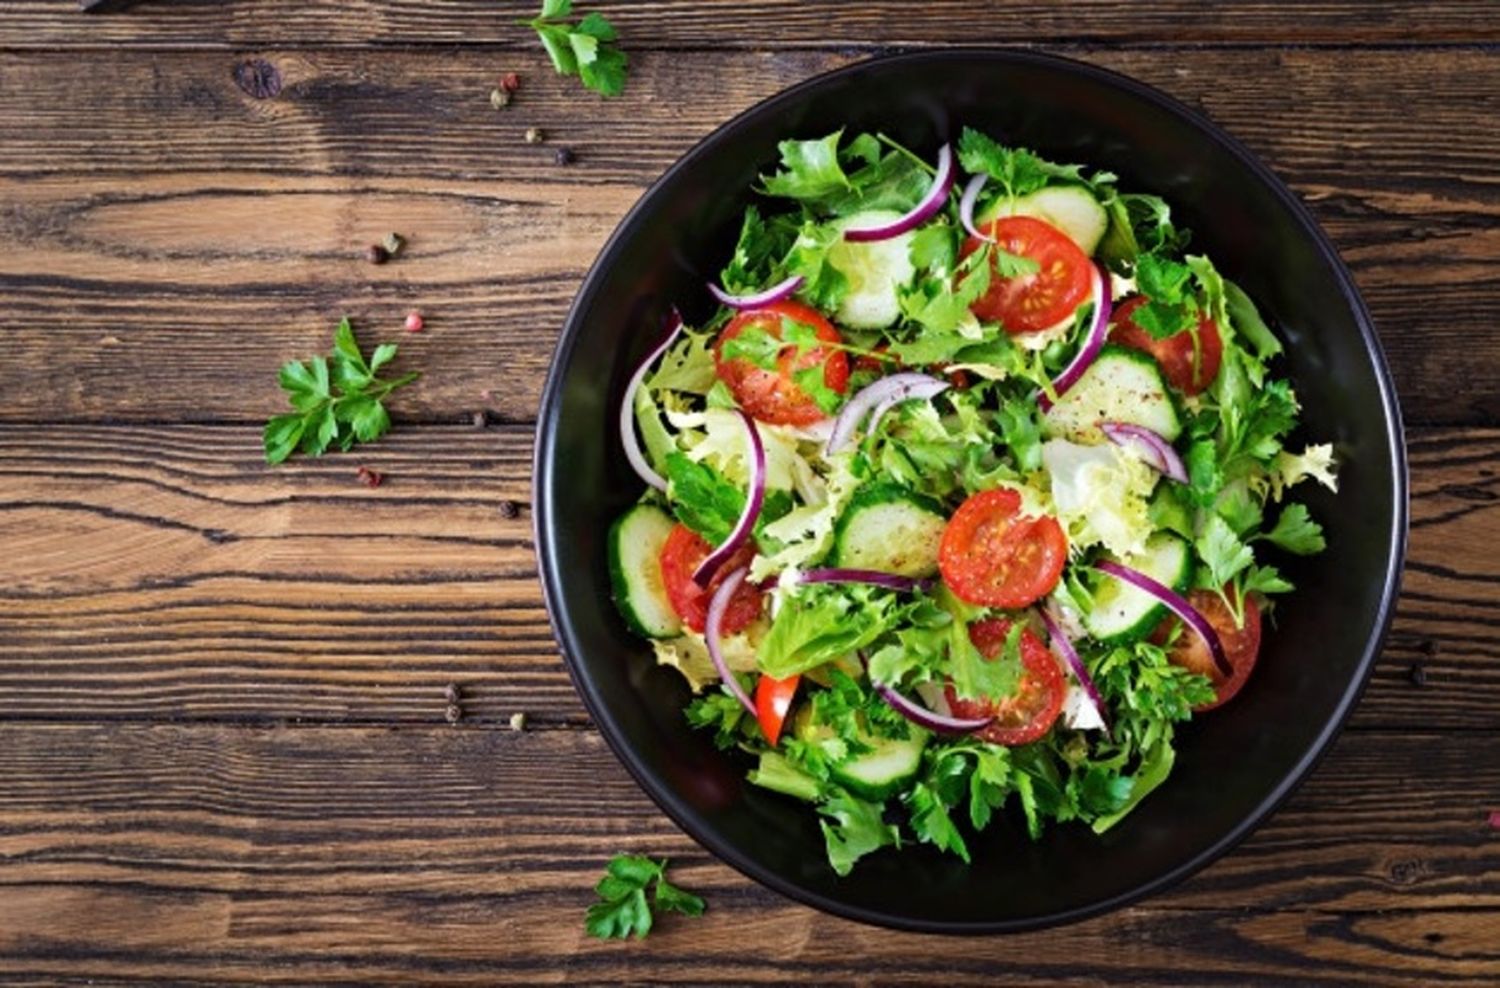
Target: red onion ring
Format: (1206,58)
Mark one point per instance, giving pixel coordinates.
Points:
(1092,343)
(1177,604)
(627,406)
(883,393)
(767,296)
(932,200)
(1064,646)
(716,608)
(967,203)
(923,717)
(715,560)
(874,577)
(1158,452)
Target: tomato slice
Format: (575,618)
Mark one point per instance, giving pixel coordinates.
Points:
(680,556)
(774,396)
(1187,372)
(1030,302)
(773,698)
(1241,644)
(1030,713)
(991,555)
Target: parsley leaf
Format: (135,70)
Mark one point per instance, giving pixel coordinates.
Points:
(623,907)
(1222,552)
(585,48)
(342,405)
(1020,424)
(809,169)
(1297,533)
(854,829)
(1018,170)
(931,822)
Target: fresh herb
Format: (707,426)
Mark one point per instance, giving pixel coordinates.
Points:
(624,907)
(584,48)
(709,504)
(342,405)
(1017,170)
(853,829)
(830,180)
(1297,533)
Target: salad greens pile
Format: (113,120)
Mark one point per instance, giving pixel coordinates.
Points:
(1016,430)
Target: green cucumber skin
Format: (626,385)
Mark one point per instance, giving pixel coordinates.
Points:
(872,496)
(620,579)
(1058,420)
(1152,616)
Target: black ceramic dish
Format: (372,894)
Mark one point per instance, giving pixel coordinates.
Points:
(1235,765)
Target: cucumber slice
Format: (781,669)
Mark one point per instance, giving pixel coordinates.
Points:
(1071,208)
(875,269)
(1122,385)
(889,528)
(635,542)
(886,769)
(882,771)
(1122,613)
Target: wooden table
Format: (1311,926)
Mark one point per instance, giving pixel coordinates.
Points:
(223,744)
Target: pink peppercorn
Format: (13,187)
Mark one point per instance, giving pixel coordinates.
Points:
(414,321)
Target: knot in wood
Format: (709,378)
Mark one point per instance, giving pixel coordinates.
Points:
(258,78)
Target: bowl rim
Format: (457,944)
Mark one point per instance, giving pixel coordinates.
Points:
(551,580)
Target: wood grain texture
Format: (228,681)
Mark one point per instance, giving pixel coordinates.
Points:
(770,23)
(163,224)
(359,855)
(215,588)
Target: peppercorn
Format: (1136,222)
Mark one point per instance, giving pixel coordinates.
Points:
(451,693)
(510,509)
(564,156)
(518,721)
(414,322)
(393,243)
(510,82)
(368,477)
(377,254)
(480,419)
(499,99)
(453,714)
(534,135)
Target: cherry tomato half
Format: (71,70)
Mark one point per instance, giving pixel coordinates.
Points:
(1186,371)
(773,395)
(1241,644)
(1030,713)
(680,556)
(1030,302)
(991,555)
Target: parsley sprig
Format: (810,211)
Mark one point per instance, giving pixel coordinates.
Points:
(624,908)
(337,399)
(584,48)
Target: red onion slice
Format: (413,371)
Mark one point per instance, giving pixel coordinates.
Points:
(767,296)
(717,605)
(874,577)
(627,406)
(883,394)
(1157,451)
(930,719)
(1092,343)
(1064,646)
(715,560)
(967,203)
(1177,604)
(932,200)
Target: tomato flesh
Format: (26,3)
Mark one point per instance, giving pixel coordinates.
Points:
(1030,302)
(774,396)
(773,698)
(1241,644)
(991,555)
(1030,713)
(1186,371)
(680,556)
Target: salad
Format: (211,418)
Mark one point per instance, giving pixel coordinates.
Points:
(964,498)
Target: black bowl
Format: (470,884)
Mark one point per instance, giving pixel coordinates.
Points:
(1235,766)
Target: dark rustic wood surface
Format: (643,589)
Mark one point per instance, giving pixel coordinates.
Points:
(223,753)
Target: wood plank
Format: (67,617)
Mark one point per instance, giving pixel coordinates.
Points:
(166,573)
(163,225)
(136,853)
(771,23)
